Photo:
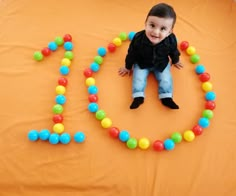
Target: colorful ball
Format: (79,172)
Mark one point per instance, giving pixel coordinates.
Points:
(90,81)
(60,99)
(68,46)
(44,134)
(65,138)
(59,40)
(33,135)
(204,77)
(79,137)
(207,86)
(169,144)
(117,41)
(57,109)
(98,59)
(64,70)
(92,89)
(102,51)
(158,145)
(57,118)
(93,98)
(46,51)
(208,114)
(88,72)
(184,45)
(93,107)
(143,143)
(197,130)
(58,128)
(106,122)
(190,50)
(38,56)
(60,89)
(189,135)
(69,55)
(200,69)
(210,96)
(124,136)
(66,61)
(131,143)
(176,137)
(123,36)
(114,132)
(131,35)
(62,81)
(94,67)
(54,138)
(111,47)
(100,114)
(195,58)
(210,105)
(52,46)
(204,122)
(67,38)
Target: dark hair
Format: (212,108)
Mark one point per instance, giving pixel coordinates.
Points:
(163,10)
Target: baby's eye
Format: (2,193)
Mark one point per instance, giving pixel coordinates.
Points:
(152,25)
(163,28)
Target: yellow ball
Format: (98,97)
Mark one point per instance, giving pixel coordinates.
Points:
(58,128)
(189,135)
(117,41)
(90,81)
(66,61)
(191,50)
(143,143)
(60,90)
(207,86)
(106,122)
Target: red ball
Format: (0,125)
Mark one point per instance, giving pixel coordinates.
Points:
(93,98)
(204,77)
(184,45)
(197,130)
(158,145)
(67,38)
(62,81)
(210,105)
(88,72)
(46,51)
(114,132)
(111,47)
(57,118)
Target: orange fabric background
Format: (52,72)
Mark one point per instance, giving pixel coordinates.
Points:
(103,166)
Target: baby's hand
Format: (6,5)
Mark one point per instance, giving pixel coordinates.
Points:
(178,65)
(123,71)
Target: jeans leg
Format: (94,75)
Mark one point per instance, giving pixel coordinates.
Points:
(165,83)
(139,82)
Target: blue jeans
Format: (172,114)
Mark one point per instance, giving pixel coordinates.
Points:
(139,83)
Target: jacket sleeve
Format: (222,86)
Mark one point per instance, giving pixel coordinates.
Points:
(174,52)
(131,56)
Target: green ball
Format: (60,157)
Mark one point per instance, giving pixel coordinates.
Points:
(123,36)
(38,56)
(98,59)
(69,55)
(57,109)
(195,58)
(176,137)
(208,114)
(100,114)
(132,143)
(59,41)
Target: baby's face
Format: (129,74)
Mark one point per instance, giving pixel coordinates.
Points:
(157,29)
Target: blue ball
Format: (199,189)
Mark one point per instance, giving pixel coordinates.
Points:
(102,51)
(54,138)
(92,89)
(210,96)
(44,134)
(68,46)
(79,137)
(60,99)
(93,107)
(33,135)
(124,136)
(169,144)
(64,70)
(94,67)
(131,35)
(52,46)
(204,122)
(65,138)
(200,69)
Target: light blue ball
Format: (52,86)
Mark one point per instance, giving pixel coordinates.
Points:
(131,35)
(210,96)
(169,144)
(94,67)
(60,99)
(200,69)
(79,137)
(33,135)
(204,122)
(92,89)
(102,51)
(65,138)
(64,70)
(54,138)
(93,107)
(124,136)
(44,134)
(68,46)
(52,46)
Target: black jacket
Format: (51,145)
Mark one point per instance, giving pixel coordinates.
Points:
(146,55)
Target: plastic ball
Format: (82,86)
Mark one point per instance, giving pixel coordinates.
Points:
(93,107)
(98,59)
(60,89)
(184,45)
(208,114)
(190,50)
(33,135)
(111,47)
(62,81)
(54,138)
(46,51)
(169,144)
(57,118)
(57,109)
(102,51)
(158,145)
(67,38)
(197,130)
(64,70)
(117,41)
(114,132)
(131,143)
(100,114)
(123,36)
(106,122)
(124,136)
(200,69)
(69,55)
(68,46)
(66,61)
(79,137)
(38,56)
(88,72)
(44,134)
(93,98)
(204,122)
(59,41)
(60,99)
(58,128)
(195,58)
(131,35)
(204,77)
(52,46)
(92,89)
(176,137)
(207,86)
(143,143)
(210,96)
(65,138)
(189,136)
(90,81)
(210,105)
(94,67)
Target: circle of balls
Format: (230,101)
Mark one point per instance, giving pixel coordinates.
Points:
(144,143)
(58,135)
